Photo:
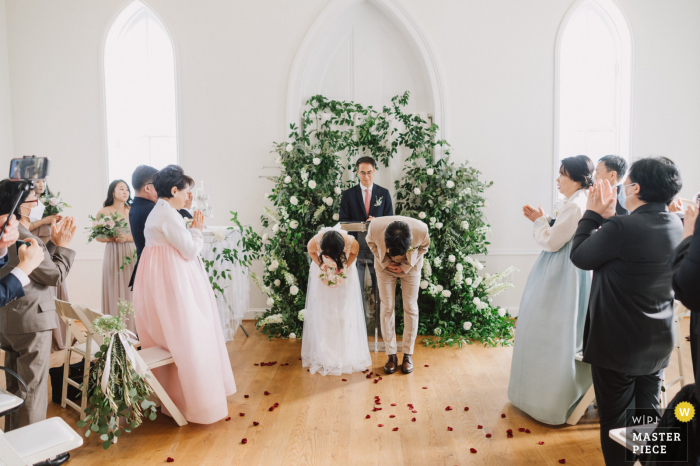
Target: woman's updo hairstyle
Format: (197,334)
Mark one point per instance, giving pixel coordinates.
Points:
(169,177)
(333,247)
(580,169)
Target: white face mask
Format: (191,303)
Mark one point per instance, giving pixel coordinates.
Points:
(36,213)
(624,196)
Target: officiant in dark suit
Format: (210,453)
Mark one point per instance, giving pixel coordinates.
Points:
(631,303)
(362,203)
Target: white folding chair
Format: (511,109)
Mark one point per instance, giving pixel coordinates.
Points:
(679,312)
(152,357)
(585,402)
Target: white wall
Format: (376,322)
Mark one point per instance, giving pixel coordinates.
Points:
(6,149)
(234,60)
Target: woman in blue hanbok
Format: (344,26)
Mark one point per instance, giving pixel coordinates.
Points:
(546,381)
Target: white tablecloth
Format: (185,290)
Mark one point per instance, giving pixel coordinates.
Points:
(234,303)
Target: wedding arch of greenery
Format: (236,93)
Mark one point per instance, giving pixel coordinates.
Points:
(455,299)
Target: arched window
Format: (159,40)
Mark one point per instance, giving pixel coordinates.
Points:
(594,54)
(139,70)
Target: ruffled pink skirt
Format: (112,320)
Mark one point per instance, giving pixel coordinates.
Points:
(176,310)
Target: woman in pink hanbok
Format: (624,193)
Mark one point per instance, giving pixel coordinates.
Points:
(176,308)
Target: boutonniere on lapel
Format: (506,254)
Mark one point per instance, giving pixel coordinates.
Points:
(379,201)
(410,250)
(188,222)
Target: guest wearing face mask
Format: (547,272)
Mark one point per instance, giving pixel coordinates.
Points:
(119,252)
(26,323)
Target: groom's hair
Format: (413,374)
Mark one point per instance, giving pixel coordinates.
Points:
(397,238)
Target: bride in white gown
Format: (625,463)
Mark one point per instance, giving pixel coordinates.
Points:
(335,336)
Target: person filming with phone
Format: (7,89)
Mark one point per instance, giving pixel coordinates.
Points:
(26,323)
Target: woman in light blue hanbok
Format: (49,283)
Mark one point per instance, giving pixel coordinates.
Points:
(546,381)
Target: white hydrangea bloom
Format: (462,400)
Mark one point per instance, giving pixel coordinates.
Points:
(502,312)
(301,315)
(467,326)
(437,262)
(329,201)
(451,258)
(270,301)
(459,267)
(450,184)
(433,220)
(465,225)
(468,281)
(476,300)
(478,265)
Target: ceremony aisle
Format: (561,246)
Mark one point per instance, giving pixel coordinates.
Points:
(322,420)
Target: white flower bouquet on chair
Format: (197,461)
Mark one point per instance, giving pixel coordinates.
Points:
(330,275)
(116,387)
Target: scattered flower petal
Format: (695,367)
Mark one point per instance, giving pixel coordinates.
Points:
(267,393)
(466,408)
(521,429)
(503,416)
(244,441)
(393,404)
(393,415)
(276,405)
(488,435)
(228,418)
(527,431)
(380,425)
(246,396)
(450,429)
(562,461)
(425,388)
(272,408)
(367,417)
(413,420)
(394,429)
(449,408)
(414,411)
(344,380)
(240,414)
(170,460)
(509,431)
(541,443)
(473,450)
(427,365)
(256,423)
(256,364)
(479,427)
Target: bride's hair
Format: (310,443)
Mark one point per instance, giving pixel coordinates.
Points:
(333,247)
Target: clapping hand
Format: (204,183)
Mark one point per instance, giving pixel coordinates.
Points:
(198,220)
(30,257)
(11,233)
(675,206)
(602,199)
(531,213)
(394,267)
(691,217)
(62,232)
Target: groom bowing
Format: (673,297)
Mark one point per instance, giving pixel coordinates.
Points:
(362,203)
(398,245)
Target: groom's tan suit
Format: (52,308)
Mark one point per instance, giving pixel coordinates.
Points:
(411,264)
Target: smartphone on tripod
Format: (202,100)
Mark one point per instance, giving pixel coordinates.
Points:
(26,170)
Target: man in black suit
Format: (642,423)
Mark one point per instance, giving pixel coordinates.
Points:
(362,203)
(12,285)
(613,168)
(631,303)
(144,201)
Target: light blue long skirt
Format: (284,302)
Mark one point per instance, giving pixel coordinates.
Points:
(546,381)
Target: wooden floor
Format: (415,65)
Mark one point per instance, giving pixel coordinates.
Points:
(321,420)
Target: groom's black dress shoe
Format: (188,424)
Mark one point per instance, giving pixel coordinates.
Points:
(391,364)
(407,364)
(57,461)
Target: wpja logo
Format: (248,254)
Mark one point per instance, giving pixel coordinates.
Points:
(651,438)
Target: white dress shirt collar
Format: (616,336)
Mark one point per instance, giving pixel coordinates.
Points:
(362,187)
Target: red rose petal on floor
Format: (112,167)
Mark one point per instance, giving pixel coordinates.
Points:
(425,388)
(449,408)
(527,431)
(267,393)
(503,416)
(473,450)
(380,425)
(394,429)
(376,381)
(170,460)
(450,429)
(466,408)
(344,380)
(367,417)
(488,435)
(299,359)
(256,423)
(414,411)
(244,441)
(393,415)
(368,376)
(413,420)
(479,427)
(380,378)
(562,461)
(377,402)
(521,429)
(541,443)
(371,373)
(308,370)
(256,364)
(427,365)
(393,404)
(510,435)
(271,408)
(276,405)
(246,396)
(228,418)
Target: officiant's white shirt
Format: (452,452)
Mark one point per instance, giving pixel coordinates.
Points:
(362,187)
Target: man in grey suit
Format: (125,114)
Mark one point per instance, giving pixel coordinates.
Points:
(26,323)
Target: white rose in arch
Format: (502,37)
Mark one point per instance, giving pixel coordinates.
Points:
(293,224)
(336,217)
(424,284)
(486,203)
(422,215)
(293,200)
(465,225)
(301,315)
(438,225)
(312,184)
(451,258)
(317,161)
(289,148)
(265,237)
(275,227)
(416,191)
(439,288)
(447,293)
(277,282)
(476,301)
(437,331)
(292,336)
(467,326)
(478,265)
(329,201)
(219,234)
(287,179)
(278,161)
(270,301)
(430,171)
(460,267)
(337,190)
(293,290)
(502,312)
(468,281)
(433,220)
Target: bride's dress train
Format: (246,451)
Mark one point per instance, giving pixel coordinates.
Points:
(335,335)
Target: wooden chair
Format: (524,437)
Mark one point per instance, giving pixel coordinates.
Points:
(150,357)
(679,312)
(585,402)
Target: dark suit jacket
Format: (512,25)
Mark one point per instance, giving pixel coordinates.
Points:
(10,286)
(140,209)
(352,205)
(35,311)
(631,303)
